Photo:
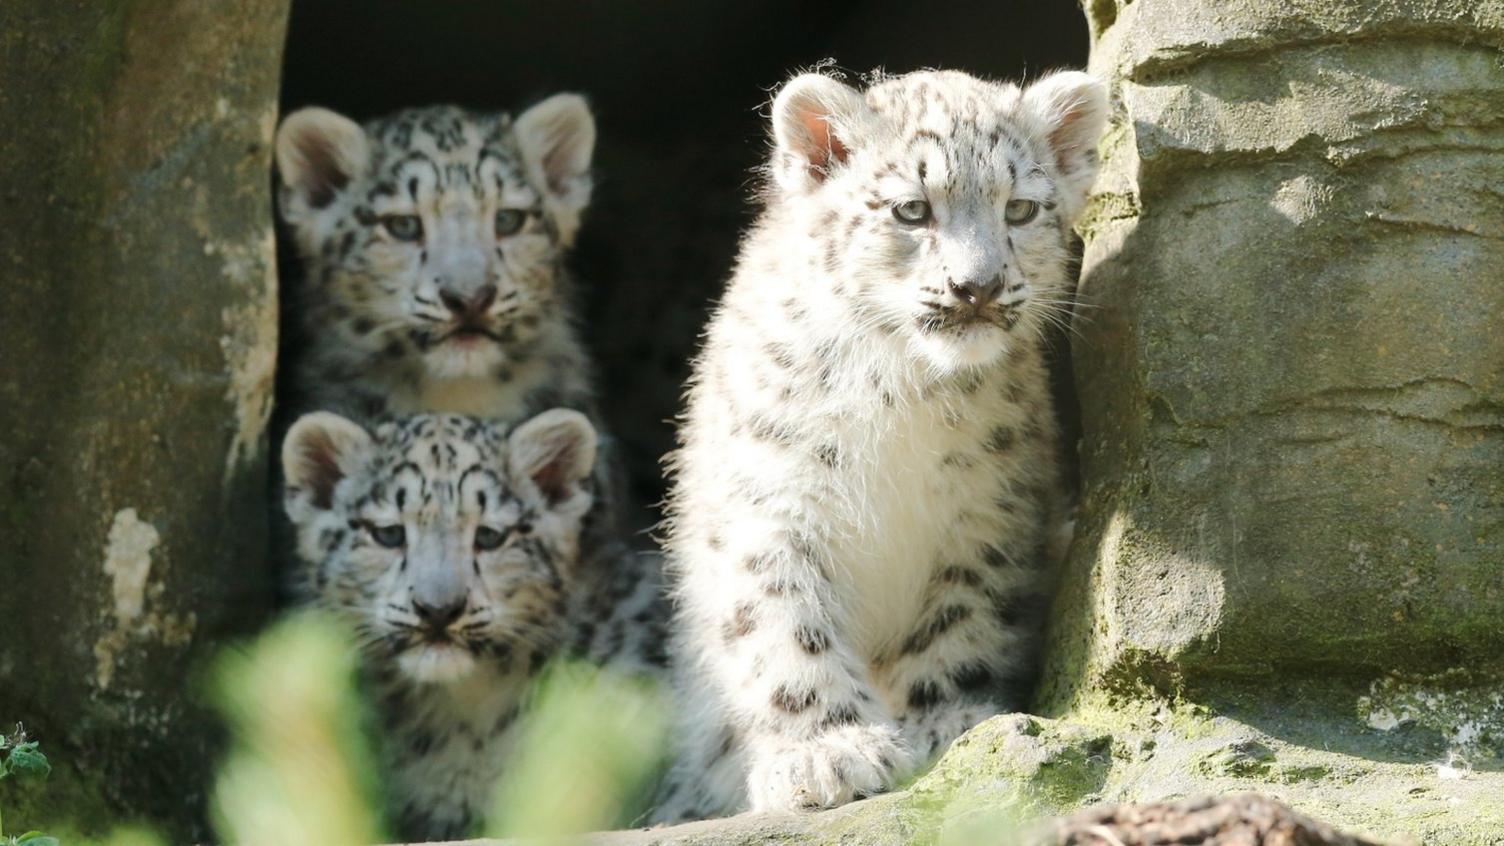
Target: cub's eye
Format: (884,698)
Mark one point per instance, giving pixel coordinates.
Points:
(1020,211)
(488,538)
(913,212)
(403,227)
(508,221)
(390,537)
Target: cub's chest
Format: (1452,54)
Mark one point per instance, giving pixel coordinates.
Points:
(911,483)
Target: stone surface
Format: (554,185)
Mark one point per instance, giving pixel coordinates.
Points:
(1290,374)
(138,319)
(1001,779)
(1247,820)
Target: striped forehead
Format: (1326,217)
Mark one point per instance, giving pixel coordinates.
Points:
(449,155)
(957,137)
(438,457)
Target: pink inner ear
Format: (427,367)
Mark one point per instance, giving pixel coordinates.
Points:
(1065,139)
(552,477)
(324,472)
(324,177)
(825,146)
(556,160)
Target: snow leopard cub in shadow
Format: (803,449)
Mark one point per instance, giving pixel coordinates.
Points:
(453,548)
(866,499)
(432,243)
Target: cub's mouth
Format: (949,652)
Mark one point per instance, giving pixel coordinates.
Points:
(436,660)
(959,319)
(471,333)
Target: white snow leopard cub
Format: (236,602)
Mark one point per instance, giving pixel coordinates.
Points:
(453,548)
(867,498)
(432,244)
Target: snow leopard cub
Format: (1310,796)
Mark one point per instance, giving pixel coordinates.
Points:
(866,497)
(453,547)
(433,244)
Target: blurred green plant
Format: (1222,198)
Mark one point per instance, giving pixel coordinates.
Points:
(22,757)
(591,749)
(301,771)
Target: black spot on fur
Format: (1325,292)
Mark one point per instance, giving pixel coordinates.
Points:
(924,694)
(836,716)
(938,625)
(960,576)
(1001,439)
(971,678)
(792,701)
(741,624)
(1010,610)
(421,743)
(812,640)
(958,461)
(996,556)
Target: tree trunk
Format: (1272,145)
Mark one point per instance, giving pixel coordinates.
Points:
(138,317)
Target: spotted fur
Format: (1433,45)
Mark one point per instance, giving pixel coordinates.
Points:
(433,244)
(453,548)
(866,498)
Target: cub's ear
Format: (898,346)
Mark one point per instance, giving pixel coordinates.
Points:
(817,122)
(554,451)
(318,153)
(1071,108)
(556,138)
(320,450)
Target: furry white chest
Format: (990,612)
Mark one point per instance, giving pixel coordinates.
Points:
(899,518)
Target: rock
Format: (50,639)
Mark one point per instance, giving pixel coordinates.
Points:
(138,313)
(1248,820)
(1291,382)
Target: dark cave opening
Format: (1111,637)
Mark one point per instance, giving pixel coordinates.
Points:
(678,89)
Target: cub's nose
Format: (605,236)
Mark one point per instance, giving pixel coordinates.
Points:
(438,617)
(472,306)
(978,292)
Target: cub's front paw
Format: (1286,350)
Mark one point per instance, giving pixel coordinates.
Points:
(828,770)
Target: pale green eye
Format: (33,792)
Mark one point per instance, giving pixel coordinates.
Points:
(487,538)
(390,537)
(1019,212)
(509,221)
(913,212)
(403,227)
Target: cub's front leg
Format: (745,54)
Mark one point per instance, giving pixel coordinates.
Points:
(969,652)
(814,734)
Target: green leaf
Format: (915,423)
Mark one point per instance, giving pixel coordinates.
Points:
(26,758)
(36,838)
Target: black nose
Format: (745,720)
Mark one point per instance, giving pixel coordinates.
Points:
(472,306)
(438,617)
(978,292)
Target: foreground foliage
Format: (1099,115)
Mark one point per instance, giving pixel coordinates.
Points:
(20,756)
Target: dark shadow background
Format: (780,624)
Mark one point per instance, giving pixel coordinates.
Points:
(678,88)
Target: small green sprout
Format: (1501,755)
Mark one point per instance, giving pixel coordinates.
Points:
(22,757)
